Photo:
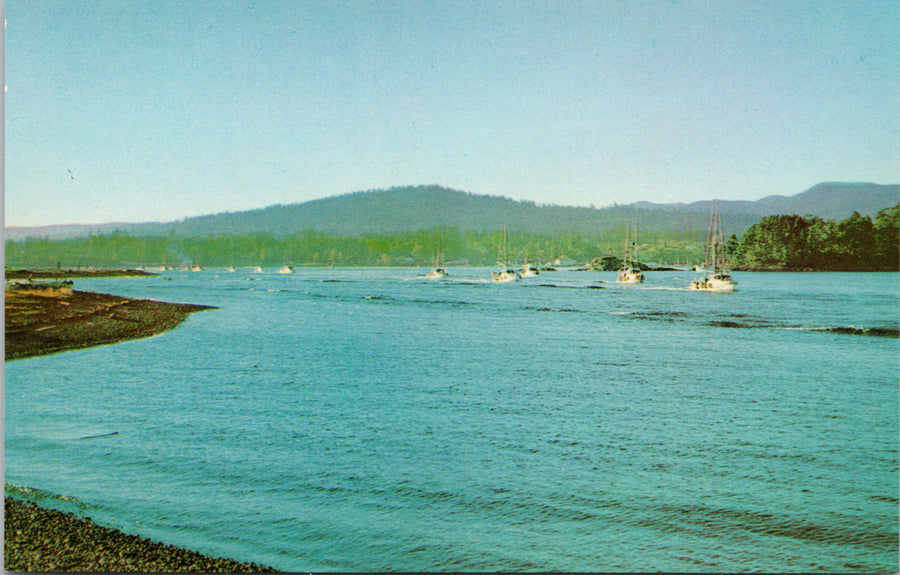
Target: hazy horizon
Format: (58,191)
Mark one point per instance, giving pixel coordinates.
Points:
(133,112)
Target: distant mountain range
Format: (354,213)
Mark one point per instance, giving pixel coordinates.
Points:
(831,201)
(402,209)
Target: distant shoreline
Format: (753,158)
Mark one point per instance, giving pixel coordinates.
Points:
(47,274)
(24,274)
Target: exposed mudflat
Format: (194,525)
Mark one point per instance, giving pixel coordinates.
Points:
(41,323)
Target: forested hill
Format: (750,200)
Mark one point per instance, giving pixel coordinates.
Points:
(404,209)
(427,207)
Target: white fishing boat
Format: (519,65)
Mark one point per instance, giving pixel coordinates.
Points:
(629,275)
(714,282)
(256,270)
(229,269)
(631,268)
(438,271)
(529,270)
(285,269)
(506,274)
(719,279)
(196,268)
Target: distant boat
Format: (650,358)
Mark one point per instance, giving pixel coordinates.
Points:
(631,267)
(437,269)
(506,274)
(256,270)
(529,270)
(719,278)
(196,268)
(230,269)
(285,269)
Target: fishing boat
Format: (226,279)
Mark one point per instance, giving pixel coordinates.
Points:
(506,274)
(285,269)
(529,270)
(438,271)
(718,279)
(631,268)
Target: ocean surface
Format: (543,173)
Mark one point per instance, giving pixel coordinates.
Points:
(370,419)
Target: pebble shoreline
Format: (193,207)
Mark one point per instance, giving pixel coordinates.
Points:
(43,540)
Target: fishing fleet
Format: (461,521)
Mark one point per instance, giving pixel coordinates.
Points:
(716,274)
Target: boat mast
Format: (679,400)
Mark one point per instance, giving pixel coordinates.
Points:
(505,248)
(634,255)
(709,259)
(715,240)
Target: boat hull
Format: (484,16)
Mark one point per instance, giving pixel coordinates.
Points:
(629,276)
(504,277)
(714,283)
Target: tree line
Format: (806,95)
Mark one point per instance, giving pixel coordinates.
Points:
(811,243)
(413,248)
(775,242)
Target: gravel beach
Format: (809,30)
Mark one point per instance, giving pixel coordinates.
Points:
(45,540)
(40,322)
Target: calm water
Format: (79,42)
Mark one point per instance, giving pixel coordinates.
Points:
(369,420)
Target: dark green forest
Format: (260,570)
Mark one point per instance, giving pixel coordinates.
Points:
(811,243)
(417,248)
(786,242)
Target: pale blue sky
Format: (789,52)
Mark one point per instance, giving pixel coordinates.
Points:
(164,110)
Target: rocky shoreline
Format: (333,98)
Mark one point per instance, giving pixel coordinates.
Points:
(40,322)
(50,318)
(44,540)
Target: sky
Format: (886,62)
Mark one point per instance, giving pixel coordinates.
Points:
(157,110)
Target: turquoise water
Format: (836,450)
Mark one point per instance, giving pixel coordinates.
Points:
(372,420)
